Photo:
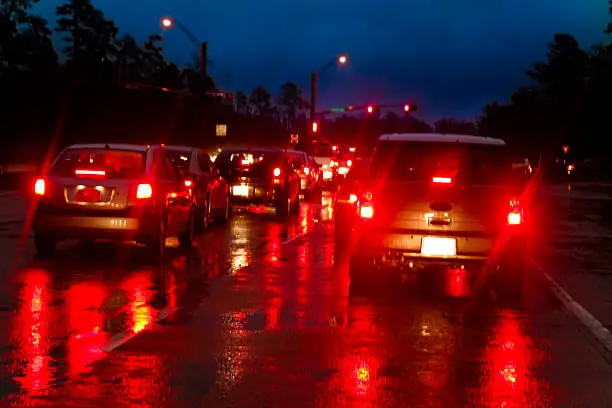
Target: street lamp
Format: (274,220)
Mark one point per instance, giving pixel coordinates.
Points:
(338,60)
(168,23)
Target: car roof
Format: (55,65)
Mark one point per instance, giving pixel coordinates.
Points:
(112,146)
(441,138)
(252,149)
(181,148)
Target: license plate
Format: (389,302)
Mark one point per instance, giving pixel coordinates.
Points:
(435,246)
(242,191)
(88,195)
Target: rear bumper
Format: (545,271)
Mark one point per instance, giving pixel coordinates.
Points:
(260,194)
(63,226)
(384,249)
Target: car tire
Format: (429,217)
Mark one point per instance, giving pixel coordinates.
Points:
(227,214)
(187,237)
(282,204)
(157,244)
(45,245)
(201,217)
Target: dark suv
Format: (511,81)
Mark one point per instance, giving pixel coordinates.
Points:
(448,201)
(261,176)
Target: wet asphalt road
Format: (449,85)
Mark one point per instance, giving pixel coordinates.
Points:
(260,316)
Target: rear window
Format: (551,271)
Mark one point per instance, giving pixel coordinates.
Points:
(180,160)
(464,164)
(323,150)
(121,164)
(245,158)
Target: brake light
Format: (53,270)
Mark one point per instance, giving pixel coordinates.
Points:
(90,172)
(188,183)
(245,162)
(442,180)
(353,198)
(144,191)
(349,162)
(366,211)
(40,187)
(306,171)
(277,172)
(515,216)
(332,163)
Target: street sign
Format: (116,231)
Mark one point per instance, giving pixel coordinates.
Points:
(337,109)
(221,130)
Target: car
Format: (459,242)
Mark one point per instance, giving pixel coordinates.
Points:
(112,191)
(323,153)
(440,201)
(300,163)
(210,191)
(261,176)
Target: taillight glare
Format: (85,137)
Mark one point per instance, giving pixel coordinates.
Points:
(366,211)
(40,187)
(277,172)
(515,218)
(442,180)
(144,191)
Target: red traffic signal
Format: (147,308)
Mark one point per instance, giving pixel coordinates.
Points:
(315,127)
(370,109)
(407,108)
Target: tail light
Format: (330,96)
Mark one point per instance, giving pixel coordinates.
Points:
(366,207)
(144,191)
(515,216)
(245,162)
(277,172)
(99,173)
(188,183)
(353,198)
(306,171)
(40,186)
(349,162)
(442,180)
(332,163)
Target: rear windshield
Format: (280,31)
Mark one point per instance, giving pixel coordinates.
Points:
(323,150)
(464,164)
(120,164)
(180,160)
(237,158)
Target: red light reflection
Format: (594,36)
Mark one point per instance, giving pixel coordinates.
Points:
(457,283)
(511,382)
(84,303)
(141,312)
(33,334)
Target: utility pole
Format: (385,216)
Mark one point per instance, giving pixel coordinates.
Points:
(203,66)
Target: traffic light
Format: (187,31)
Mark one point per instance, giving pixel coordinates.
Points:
(407,108)
(315,127)
(370,109)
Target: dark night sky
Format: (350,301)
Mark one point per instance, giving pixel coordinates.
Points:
(450,56)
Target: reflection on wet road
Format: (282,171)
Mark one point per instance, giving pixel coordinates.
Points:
(260,315)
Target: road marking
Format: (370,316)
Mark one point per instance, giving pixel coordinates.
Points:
(295,237)
(126,335)
(598,330)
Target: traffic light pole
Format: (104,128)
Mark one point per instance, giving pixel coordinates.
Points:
(203,66)
(314,87)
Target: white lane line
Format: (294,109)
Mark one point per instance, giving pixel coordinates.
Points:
(295,237)
(126,335)
(598,330)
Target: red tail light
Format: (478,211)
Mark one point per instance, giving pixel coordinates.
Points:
(306,171)
(442,180)
(277,172)
(188,183)
(245,162)
(40,187)
(90,172)
(515,216)
(144,191)
(366,207)
(349,162)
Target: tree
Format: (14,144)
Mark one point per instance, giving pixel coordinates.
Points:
(262,102)
(91,38)
(243,105)
(291,101)
(455,126)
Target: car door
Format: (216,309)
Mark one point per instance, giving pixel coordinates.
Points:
(209,179)
(177,195)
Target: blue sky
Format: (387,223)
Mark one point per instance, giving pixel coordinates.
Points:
(449,56)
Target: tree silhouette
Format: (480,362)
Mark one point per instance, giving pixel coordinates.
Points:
(261,99)
(291,102)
